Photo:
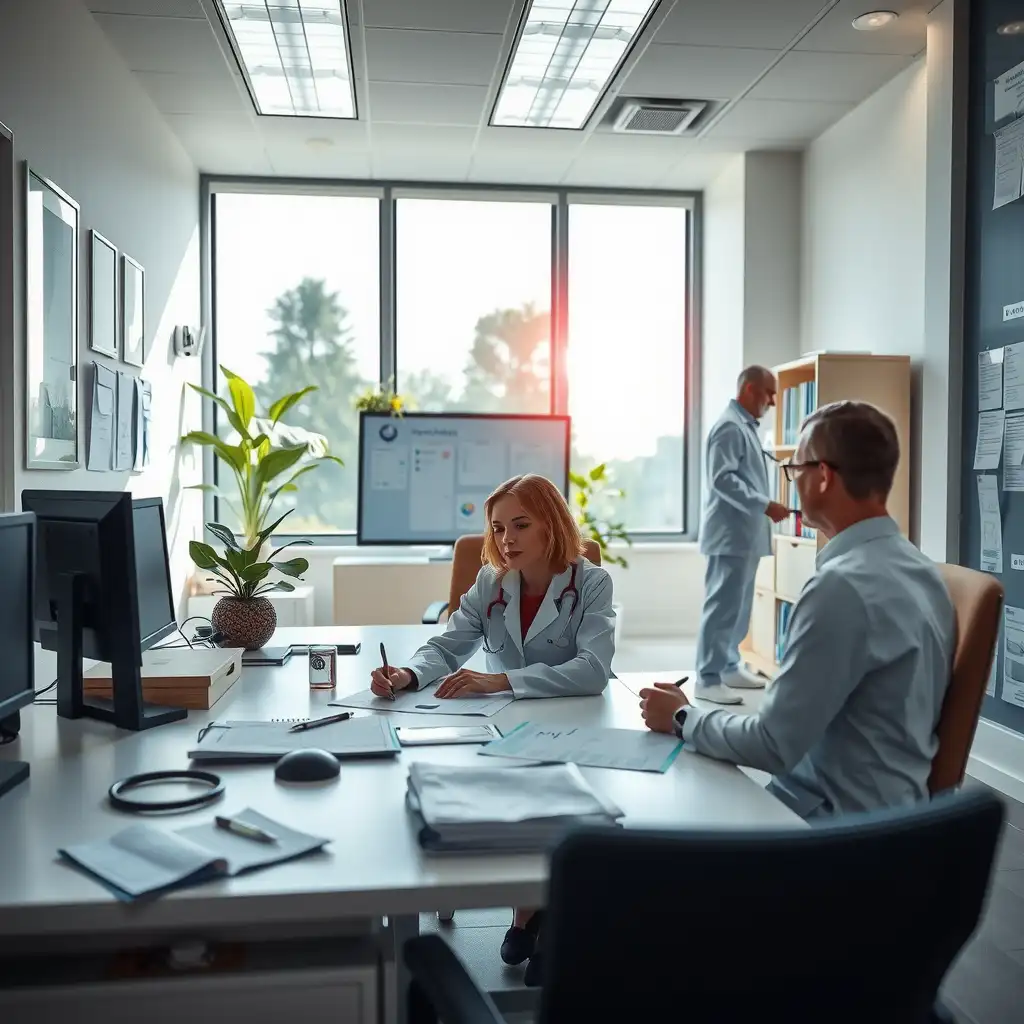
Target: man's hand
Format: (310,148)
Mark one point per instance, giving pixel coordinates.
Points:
(660,704)
(466,681)
(387,686)
(777,512)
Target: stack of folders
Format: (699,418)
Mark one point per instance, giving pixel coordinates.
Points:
(511,810)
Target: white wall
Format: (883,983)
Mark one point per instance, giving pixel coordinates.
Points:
(80,119)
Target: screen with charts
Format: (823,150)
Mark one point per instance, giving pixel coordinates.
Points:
(424,477)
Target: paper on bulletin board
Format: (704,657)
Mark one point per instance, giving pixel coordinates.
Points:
(1013,656)
(1008,100)
(124,456)
(1013,377)
(101,420)
(991,524)
(1009,176)
(989,445)
(990,686)
(990,380)
(1013,440)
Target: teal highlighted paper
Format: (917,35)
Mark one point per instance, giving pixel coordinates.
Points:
(637,750)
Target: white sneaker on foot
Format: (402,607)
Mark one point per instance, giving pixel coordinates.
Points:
(717,694)
(743,679)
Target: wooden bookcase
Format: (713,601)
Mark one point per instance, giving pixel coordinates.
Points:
(883,381)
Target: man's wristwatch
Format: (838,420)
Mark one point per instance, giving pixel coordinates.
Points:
(679,719)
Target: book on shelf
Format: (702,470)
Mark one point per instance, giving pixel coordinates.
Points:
(782,628)
(798,402)
(795,525)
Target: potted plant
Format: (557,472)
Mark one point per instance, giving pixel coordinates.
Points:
(244,615)
(594,498)
(381,399)
(265,451)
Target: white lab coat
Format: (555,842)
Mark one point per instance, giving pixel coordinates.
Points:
(564,654)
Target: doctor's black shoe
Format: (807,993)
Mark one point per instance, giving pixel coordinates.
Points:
(534,976)
(519,943)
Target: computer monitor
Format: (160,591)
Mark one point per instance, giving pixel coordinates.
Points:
(17,663)
(424,477)
(103,590)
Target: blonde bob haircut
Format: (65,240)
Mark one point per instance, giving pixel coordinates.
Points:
(544,504)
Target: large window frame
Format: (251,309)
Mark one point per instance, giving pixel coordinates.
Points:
(560,199)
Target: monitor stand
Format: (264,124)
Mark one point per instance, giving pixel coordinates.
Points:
(127,710)
(11,773)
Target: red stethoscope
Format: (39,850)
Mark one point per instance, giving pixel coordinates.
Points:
(568,591)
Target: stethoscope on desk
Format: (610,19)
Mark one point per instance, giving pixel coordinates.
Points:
(568,591)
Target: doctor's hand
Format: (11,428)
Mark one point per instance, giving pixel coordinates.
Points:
(466,681)
(659,705)
(382,685)
(777,512)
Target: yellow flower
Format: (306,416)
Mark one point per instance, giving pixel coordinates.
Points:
(396,403)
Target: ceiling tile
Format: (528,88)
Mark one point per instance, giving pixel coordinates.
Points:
(779,121)
(738,22)
(191,94)
(695,72)
(436,57)
(449,16)
(524,156)
(627,161)
(315,148)
(158,8)
(835,32)
(695,171)
(183,45)
(417,152)
(427,104)
(828,77)
(221,143)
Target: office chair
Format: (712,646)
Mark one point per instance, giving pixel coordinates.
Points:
(852,922)
(466,561)
(978,600)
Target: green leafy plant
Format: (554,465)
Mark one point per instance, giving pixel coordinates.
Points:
(593,496)
(239,570)
(266,450)
(381,399)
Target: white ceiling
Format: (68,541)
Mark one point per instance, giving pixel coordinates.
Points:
(779,72)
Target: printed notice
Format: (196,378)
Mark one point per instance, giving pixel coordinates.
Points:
(990,686)
(991,524)
(1013,440)
(1008,100)
(1013,656)
(1009,177)
(990,380)
(1013,377)
(990,440)
(1014,311)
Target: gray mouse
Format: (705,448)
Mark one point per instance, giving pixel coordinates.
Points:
(307,766)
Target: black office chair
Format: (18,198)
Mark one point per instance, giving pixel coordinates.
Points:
(849,923)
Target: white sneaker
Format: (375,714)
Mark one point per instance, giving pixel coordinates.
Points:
(717,694)
(743,679)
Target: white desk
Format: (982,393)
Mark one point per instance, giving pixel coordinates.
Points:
(373,866)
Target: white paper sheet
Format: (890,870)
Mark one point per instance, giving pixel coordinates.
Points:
(1013,377)
(138,429)
(1009,176)
(1008,98)
(101,418)
(146,419)
(638,750)
(1013,440)
(990,379)
(991,524)
(1013,656)
(989,444)
(423,702)
(990,686)
(124,456)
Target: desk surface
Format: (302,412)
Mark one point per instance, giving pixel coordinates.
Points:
(373,865)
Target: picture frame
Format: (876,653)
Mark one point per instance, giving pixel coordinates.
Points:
(9,186)
(52,244)
(103,320)
(133,311)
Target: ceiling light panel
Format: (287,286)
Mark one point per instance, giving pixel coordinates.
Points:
(295,55)
(566,55)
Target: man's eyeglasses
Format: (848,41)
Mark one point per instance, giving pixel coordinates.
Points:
(790,468)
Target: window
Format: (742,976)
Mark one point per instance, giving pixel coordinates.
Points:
(627,354)
(473,305)
(297,290)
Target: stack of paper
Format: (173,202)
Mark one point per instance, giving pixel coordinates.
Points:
(521,810)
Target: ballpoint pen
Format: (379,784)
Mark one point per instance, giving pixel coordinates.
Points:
(679,682)
(387,671)
(303,726)
(240,828)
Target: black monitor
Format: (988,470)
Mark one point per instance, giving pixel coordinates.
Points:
(17,665)
(103,590)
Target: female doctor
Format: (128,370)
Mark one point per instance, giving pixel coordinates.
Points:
(543,614)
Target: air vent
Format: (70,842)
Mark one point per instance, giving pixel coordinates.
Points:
(658,117)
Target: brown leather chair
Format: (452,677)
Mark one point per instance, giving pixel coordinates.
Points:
(978,600)
(466,562)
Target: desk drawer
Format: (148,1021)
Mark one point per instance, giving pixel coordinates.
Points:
(765,576)
(794,565)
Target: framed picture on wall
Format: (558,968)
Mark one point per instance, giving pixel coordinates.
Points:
(51,325)
(102,295)
(133,318)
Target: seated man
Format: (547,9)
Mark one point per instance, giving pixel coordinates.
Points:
(849,724)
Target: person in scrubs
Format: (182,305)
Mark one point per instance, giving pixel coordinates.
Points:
(850,723)
(544,617)
(735,533)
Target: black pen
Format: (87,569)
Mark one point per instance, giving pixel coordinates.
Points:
(240,828)
(387,672)
(303,726)
(679,682)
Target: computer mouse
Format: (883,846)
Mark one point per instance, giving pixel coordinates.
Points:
(307,766)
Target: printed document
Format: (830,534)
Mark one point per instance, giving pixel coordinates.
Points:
(423,702)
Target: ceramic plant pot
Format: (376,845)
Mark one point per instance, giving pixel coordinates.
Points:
(244,623)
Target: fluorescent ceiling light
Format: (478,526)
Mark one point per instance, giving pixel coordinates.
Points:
(295,55)
(567,53)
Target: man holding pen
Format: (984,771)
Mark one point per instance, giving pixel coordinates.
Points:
(734,534)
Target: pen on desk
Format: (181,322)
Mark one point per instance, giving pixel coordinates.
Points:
(239,828)
(344,716)
(679,682)
(387,671)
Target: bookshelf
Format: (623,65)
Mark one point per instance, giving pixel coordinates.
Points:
(803,386)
